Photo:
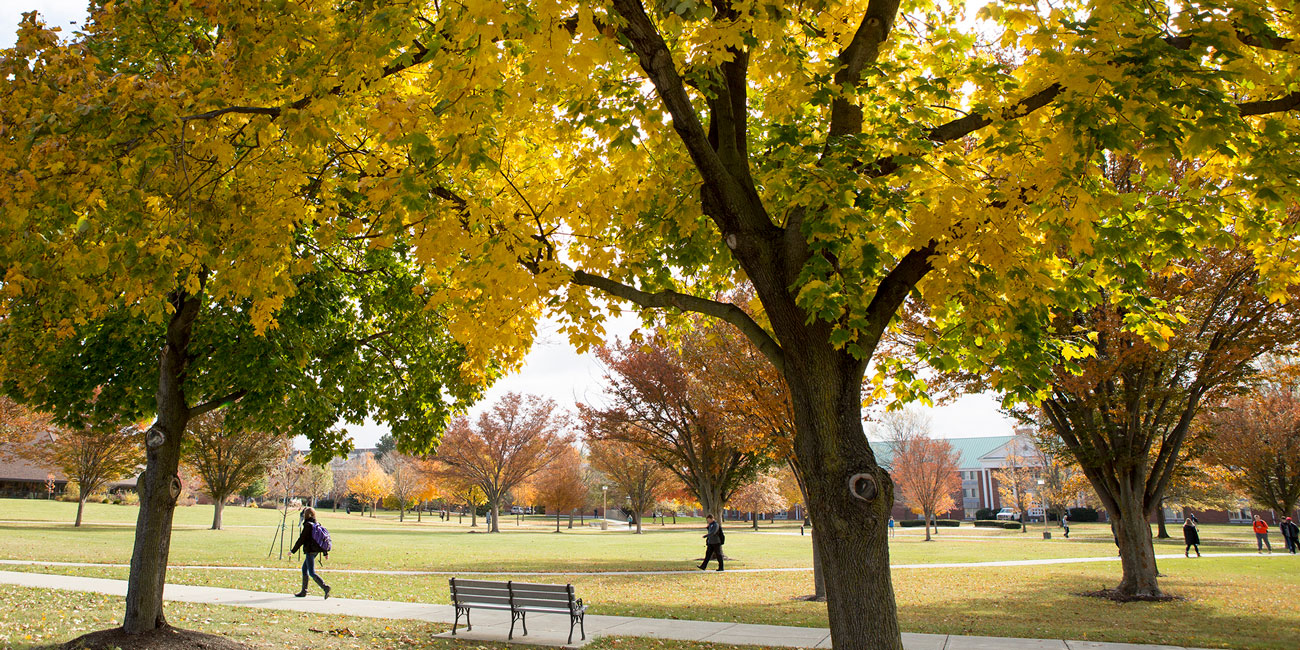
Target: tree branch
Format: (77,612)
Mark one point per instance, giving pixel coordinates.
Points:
(210,405)
(419,54)
(877,22)
(685,302)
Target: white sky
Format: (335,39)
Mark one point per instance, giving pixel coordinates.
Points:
(553,368)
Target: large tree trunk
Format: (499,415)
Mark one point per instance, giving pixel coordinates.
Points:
(218,507)
(927,526)
(850,493)
(496,518)
(160,485)
(1132,528)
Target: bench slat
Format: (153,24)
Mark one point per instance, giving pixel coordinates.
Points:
(531,602)
(518,586)
(529,586)
(480,591)
(486,600)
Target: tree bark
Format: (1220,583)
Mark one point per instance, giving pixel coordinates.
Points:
(1161,531)
(496,518)
(160,485)
(81,505)
(218,507)
(1132,529)
(853,495)
(927,526)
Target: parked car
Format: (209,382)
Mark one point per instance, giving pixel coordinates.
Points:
(1009,514)
(516,510)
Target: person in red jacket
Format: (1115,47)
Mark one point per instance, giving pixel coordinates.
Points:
(1261,535)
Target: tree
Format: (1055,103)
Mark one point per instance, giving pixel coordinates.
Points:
(1018,479)
(923,468)
(371,484)
(225,458)
(1200,485)
(560,485)
(318,482)
(661,403)
(407,481)
(90,457)
(512,441)
(839,158)
(1255,437)
(632,473)
(760,495)
(385,446)
(1125,410)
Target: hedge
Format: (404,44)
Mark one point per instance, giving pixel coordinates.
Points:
(1082,515)
(917,523)
(986,513)
(1009,525)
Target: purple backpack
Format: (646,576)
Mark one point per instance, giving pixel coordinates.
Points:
(320,536)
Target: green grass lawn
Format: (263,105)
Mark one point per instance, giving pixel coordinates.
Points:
(1228,602)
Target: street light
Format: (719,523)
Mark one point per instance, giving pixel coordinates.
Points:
(1047,534)
(604,507)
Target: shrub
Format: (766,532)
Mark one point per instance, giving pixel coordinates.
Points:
(1081,515)
(269,505)
(129,499)
(917,523)
(990,523)
(986,513)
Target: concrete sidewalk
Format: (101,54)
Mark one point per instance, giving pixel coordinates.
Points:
(550,629)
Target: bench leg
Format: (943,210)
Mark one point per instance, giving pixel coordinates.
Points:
(576,619)
(516,616)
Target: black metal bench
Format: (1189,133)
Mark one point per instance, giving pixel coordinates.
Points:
(519,598)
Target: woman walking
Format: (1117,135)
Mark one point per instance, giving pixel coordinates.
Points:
(310,548)
(1191,536)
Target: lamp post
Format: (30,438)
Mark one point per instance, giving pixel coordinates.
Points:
(1042,501)
(604,507)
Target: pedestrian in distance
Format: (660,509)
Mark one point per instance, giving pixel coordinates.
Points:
(713,541)
(1291,535)
(891,526)
(1261,535)
(314,540)
(1191,537)
(1065,524)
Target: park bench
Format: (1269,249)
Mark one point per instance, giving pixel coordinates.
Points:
(519,598)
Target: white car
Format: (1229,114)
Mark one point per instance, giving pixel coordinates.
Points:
(1008,514)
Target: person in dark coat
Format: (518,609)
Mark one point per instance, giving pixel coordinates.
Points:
(713,543)
(1291,535)
(1191,536)
(307,542)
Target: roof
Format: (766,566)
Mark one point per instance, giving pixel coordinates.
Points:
(18,469)
(970,450)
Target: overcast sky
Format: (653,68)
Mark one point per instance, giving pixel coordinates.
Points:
(553,368)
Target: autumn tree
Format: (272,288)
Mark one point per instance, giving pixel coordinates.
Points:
(560,486)
(318,482)
(1255,437)
(226,459)
(509,443)
(1125,410)
(371,484)
(1017,479)
(842,156)
(1201,485)
(661,402)
(923,468)
(763,494)
(90,457)
(407,480)
(631,472)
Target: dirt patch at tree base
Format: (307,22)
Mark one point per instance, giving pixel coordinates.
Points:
(1116,596)
(167,637)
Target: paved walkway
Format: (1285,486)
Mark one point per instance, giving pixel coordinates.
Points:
(551,629)
(417,572)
